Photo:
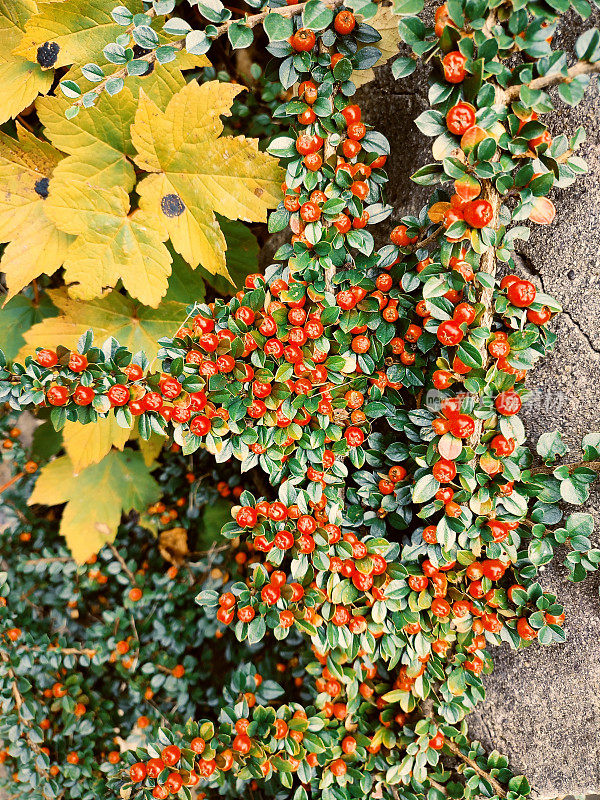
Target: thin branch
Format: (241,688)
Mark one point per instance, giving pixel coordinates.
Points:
(54,559)
(438,786)
(593,465)
(121,561)
(11,482)
(546,81)
(65,651)
(454,748)
(431,238)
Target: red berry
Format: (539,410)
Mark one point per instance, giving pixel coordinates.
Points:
(399,236)
(303,40)
(137,772)
(525,630)
(344,22)
(449,333)
(521,293)
(478,213)
(453,65)
(46,358)
(57,395)
(77,362)
(118,395)
(83,395)
(171,755)
(508,403)
(460,118)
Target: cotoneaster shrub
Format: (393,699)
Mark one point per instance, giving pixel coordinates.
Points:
(400,528)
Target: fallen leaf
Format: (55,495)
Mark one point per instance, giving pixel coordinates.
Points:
(100,135)
(21,80)
(173,545)
(386,22)
(96,498)
(198,172)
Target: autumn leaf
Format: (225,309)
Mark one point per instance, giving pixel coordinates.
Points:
(198,172)
(21,80)
(96,498)
(88,444)
(111,242)
(65,33)
(134,325)
(386,23)
(100,135)
(36,246)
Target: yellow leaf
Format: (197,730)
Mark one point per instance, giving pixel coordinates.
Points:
(111,243)
(100,135)
(36,245)
(96,498)
(68,32)
(386,22)
(196,173)
(134,325)
(88,444)
(20,80)
(149,448)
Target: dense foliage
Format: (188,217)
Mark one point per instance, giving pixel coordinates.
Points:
(388,526)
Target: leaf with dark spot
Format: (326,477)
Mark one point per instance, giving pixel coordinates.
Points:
(47,54)
(41,187)
(172,205)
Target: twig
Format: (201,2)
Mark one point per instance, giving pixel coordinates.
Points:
(454,748)
(546,81)
(438,786)
(431,238)
(57,559)
(121,561)
(593,465)
(12,481)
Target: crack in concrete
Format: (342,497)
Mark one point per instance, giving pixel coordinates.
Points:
(528,266)
(585,335)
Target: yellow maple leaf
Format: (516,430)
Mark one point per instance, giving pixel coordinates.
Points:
(36,244)
(65,33)
(197,172)
(95,498)
(111,242)
(386,23)
(134,325)
(100,135)
(21,80)
(88,444)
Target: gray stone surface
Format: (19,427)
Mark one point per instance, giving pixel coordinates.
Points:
(543,704)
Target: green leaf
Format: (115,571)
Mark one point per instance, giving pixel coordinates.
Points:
(425,488)
(277,27)
(240,35)
(550,446)
(18,316)
(316,15)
